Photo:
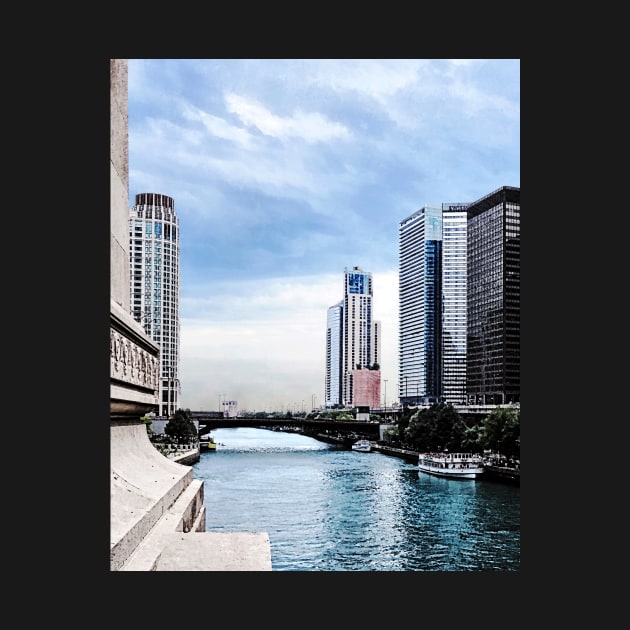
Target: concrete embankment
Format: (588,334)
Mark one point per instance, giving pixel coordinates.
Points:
(158,514)
(402,453)
(188,458)
(503,473)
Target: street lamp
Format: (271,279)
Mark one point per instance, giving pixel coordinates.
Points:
(312,402)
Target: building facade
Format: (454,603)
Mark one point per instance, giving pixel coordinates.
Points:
(420,306)
(366,388)
(459,302)
(333,381)
(229,408)
(353,344)
(494,298)
(454,307)
(361,339)
(155,286)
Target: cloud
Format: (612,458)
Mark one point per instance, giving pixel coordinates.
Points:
(311,127)
(285,171)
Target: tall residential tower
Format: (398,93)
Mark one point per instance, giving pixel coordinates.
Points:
(353,346)
(154,258)
(361,339)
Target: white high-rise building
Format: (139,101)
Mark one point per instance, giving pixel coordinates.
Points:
(334,330)
(353,343)
(154,265)
(361,339)
(454,292)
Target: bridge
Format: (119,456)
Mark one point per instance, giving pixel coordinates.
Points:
(208,421)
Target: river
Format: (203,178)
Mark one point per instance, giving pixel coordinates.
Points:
(331,509)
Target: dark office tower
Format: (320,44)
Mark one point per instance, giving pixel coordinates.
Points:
(494,288)
(154,258)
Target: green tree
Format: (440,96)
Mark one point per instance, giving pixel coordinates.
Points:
(420,434)
(501,432)
(438,428)
(393,435)
(181,428)
(450,428)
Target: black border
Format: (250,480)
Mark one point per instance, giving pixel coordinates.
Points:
(78,229)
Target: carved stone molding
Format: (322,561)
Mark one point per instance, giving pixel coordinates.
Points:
(134,367)
(131,363)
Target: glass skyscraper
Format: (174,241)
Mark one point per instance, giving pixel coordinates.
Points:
(154,268)
(420,306)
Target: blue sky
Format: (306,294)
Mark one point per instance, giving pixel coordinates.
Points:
(286,171)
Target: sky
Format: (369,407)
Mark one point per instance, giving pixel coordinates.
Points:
(284,172)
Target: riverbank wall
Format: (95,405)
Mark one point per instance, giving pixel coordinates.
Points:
(503,473)
(490,473)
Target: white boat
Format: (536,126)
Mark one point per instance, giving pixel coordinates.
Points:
(363,446)
(454,465)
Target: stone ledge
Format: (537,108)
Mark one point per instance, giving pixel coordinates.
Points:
(216,551)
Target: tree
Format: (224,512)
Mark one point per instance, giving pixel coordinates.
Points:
(450,428)
(181,427)
(501,432)
(438,428)
(393,434)
(421,430)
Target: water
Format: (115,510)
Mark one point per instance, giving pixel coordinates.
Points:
(328,509)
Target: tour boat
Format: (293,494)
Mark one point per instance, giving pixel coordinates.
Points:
(453,465)
(207,443)
(363,446)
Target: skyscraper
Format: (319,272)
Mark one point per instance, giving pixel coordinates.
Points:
(494,298)
(353,343)
(454,295)
(154,266)
(334,329)
(361,339)
(420,306)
